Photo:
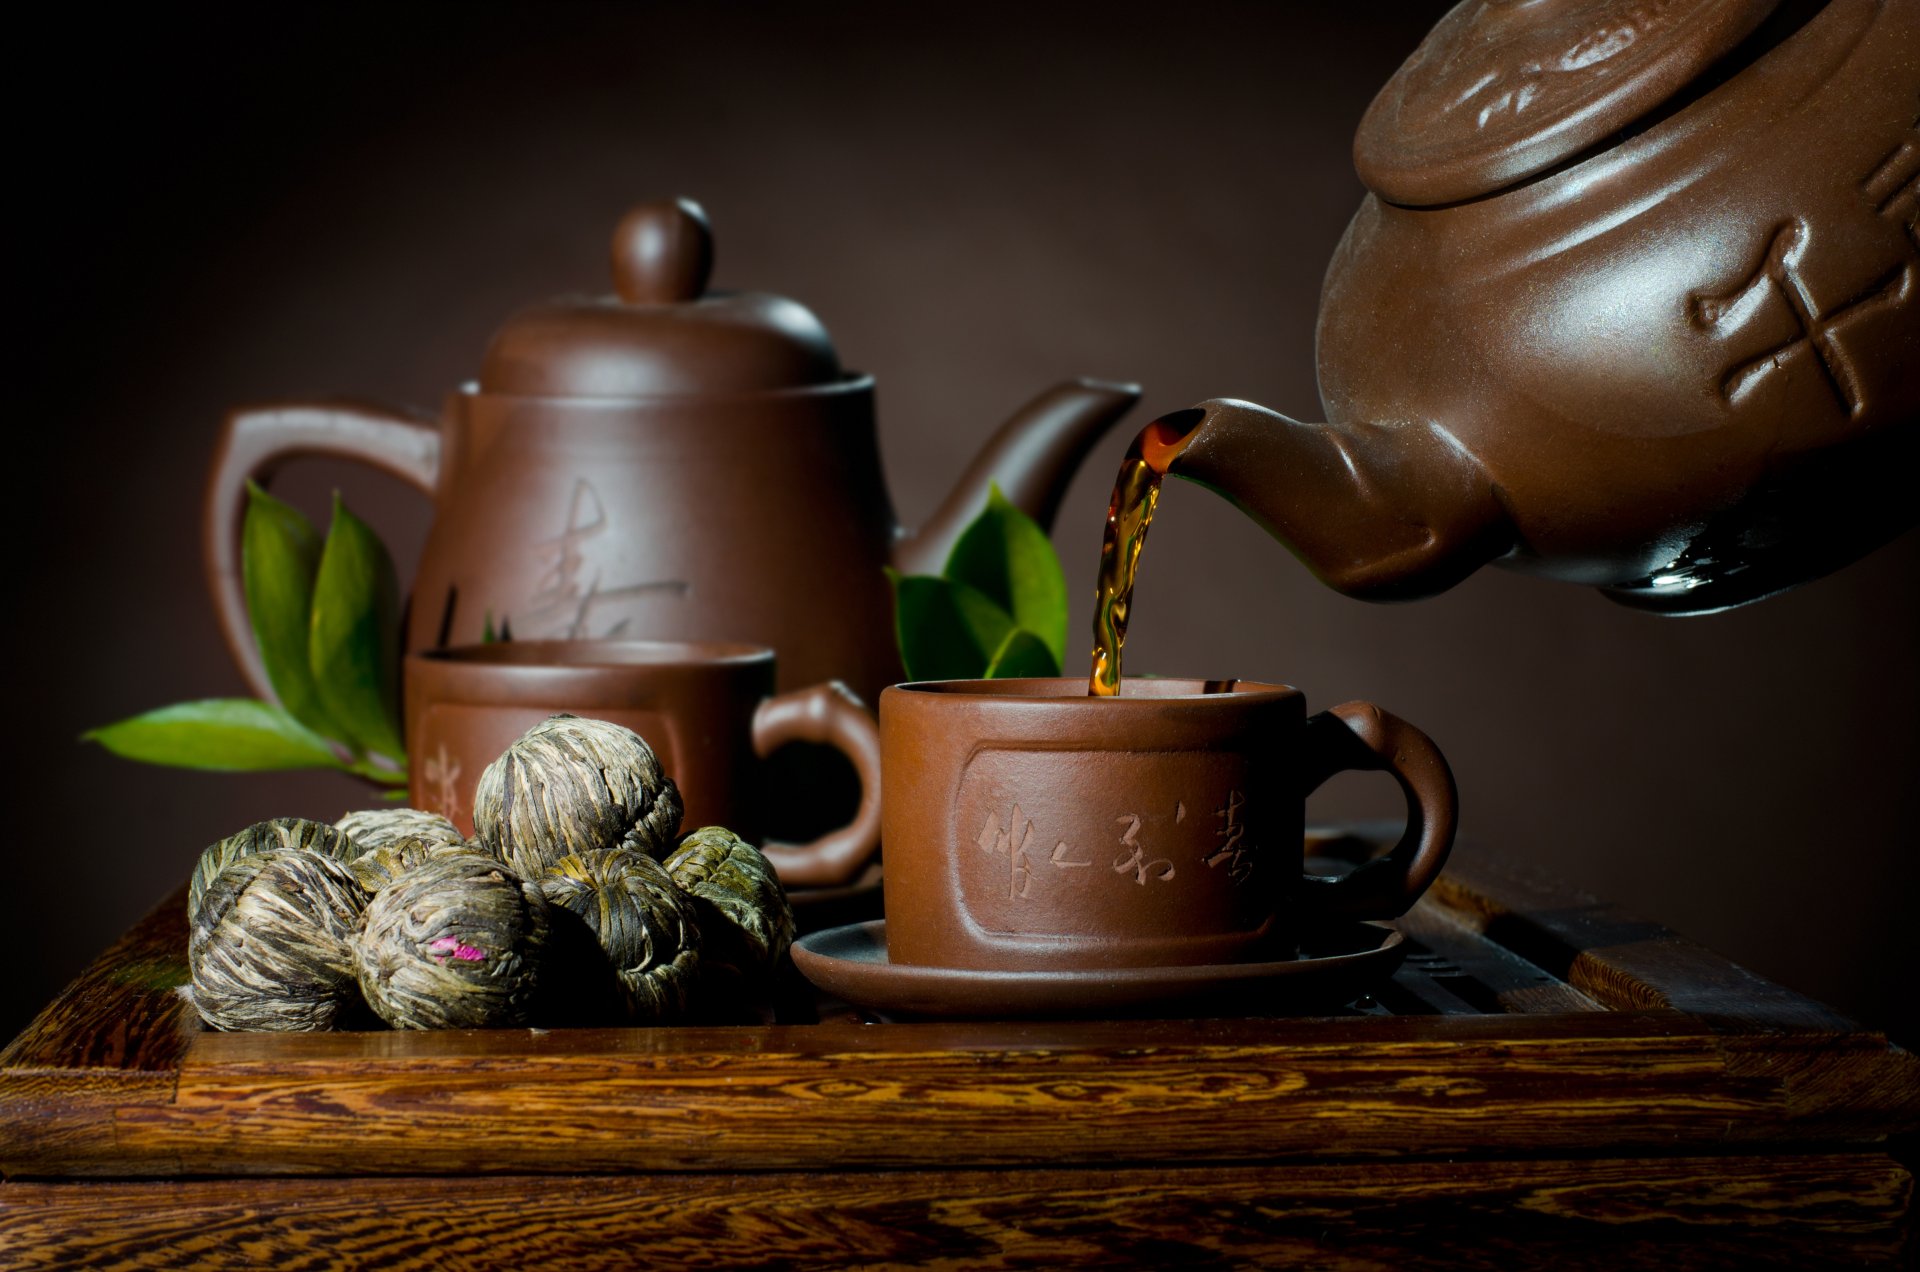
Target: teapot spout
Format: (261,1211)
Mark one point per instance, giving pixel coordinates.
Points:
(1382,512)
(1031,459)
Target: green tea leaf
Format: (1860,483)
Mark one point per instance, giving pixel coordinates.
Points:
(353,645)
(377,774)
(279,556)
(226,734)
(1022,654)
(1007,557)
(946,630)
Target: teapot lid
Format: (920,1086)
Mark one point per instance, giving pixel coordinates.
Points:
(1501,90)
(663,334)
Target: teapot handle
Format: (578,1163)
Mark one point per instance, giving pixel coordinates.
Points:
(830,714)
(254,443)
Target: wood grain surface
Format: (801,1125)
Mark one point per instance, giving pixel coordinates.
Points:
(1803,1212)
(1544,1080)
(1619,960)
(825,1096)
(1529,1021)
(113,1040)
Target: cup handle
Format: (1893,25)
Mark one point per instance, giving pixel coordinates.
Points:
(1359,735)
(253,444)
(829,714)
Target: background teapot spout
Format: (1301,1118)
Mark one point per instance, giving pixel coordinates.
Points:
(1382,512)
(1032,457)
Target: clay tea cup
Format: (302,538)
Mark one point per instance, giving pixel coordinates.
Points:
(708,709)
(1030,827)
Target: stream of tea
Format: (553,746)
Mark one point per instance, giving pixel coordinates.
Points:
(1136,493)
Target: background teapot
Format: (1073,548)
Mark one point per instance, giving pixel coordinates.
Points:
(668,463)
(1635,302)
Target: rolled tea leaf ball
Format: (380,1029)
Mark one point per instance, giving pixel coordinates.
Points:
(271,944)
(453,943)
(373,828)
(745,917)
(267,836)
(571,786)
(378,867)
(646,929)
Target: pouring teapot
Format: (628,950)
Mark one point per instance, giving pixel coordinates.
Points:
(669,463)
(1634,302)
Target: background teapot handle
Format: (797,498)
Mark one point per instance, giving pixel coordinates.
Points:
(254,443)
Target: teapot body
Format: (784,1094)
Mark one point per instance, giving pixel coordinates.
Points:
(665,463)
(1686,366)
(757,516)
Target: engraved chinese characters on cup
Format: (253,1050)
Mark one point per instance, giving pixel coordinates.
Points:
(1170,845)
(1011,838)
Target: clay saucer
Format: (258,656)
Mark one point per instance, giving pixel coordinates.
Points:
(1336,966)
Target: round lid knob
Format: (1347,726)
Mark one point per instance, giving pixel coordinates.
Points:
(1503,89)
(662,334)
(662,253)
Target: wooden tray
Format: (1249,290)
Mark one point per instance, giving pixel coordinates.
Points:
(1540,1054)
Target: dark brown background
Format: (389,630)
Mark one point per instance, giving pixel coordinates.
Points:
(232,204)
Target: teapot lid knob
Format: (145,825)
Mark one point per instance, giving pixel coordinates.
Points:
(662,253)
(664,334)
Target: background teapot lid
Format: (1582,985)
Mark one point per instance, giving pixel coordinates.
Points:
(1503,89)
(662,334)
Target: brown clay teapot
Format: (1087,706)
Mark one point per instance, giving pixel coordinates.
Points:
(667,463)
(1634,302)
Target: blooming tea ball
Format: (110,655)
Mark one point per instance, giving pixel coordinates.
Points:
(373,828)
(453,943)
(644,927)
(378,867)
(266,836)
(270,946)
(572,786)
(745,916)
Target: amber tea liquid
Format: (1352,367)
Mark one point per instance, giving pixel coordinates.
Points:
(1136,493)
